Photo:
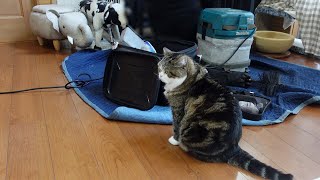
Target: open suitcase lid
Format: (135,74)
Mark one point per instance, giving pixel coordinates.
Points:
(131,78)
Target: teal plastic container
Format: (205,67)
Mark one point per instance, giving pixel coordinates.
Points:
(225,23)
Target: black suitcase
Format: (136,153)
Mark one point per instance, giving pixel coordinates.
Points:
(131,78)
(180,46)
(131,75)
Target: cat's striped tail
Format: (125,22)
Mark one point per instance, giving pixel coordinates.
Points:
(246,161)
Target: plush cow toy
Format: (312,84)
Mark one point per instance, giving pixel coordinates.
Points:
(103,14)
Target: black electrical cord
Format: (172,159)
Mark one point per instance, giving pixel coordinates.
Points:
(234,52)
(70,85)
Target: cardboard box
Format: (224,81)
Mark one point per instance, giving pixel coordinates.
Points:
(275,23)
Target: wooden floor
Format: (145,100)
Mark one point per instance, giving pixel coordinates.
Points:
(55,135)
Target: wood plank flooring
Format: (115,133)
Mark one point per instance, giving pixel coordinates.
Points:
(53,134)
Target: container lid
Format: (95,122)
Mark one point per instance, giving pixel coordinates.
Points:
(226,12)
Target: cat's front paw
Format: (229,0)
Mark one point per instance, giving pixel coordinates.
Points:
(173,141)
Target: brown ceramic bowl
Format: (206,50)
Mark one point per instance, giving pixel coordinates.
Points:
(273,41)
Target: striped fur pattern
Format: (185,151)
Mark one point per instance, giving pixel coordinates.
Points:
(206,116)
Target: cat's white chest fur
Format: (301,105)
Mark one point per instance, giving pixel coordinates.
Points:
(171,83)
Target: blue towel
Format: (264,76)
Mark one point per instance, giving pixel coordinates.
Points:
(300,87)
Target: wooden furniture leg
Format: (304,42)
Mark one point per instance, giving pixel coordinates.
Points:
(40,41)
(56,44)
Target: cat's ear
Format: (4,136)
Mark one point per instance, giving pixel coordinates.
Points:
(166,51)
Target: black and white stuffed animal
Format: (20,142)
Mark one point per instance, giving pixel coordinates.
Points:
(103,14)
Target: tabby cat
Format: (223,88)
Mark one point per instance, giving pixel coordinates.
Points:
(206,116)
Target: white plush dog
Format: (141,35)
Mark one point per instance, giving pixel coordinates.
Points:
(103,14)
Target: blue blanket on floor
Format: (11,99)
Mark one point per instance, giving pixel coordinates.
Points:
(300,87)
